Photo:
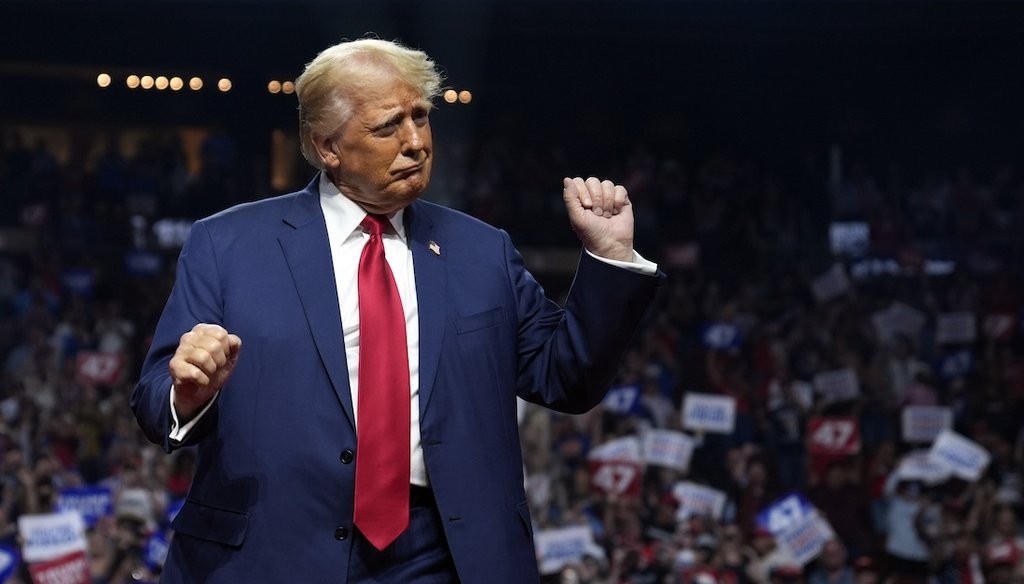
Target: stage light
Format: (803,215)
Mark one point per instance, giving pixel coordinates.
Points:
(288,87)
(224,85)
(274,86)
(195,84)
(176,83)
(465,96)
(161,83)
(451,96)
(132,82)
(103,80)
(147,82)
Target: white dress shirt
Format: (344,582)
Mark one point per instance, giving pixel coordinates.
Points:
(347,239)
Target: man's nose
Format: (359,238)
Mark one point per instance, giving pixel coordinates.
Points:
(412,139)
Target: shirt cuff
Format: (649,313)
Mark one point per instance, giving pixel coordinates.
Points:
(178,431)
(639,263)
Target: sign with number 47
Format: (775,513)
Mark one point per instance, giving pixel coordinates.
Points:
(833,436)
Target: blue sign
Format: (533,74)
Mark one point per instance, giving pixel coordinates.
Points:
(784,513)
(622,399)
(8,562)
(173,508)
(956,365)
(91,503)
(80,281)
(156,551)
(143,263)
(721,335)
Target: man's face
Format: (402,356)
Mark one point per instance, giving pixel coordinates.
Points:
(382,154)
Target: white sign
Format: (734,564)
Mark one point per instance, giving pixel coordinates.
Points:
(805,538)
(698,501)
(626,448)
(962,456)
(669,449)
(709,412)
(924,423)
(45,537)
(898,319)
(836,386)
(919,466)
(831,284)
(956,327)
(558,547)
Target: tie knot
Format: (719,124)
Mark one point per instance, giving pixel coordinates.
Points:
(375,224)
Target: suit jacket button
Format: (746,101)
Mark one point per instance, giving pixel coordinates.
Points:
(341,533)
(347,456)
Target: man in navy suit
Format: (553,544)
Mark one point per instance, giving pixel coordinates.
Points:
(274,497)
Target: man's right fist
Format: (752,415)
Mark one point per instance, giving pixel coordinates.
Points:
(201,365)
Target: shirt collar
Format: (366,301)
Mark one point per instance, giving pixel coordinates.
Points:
(347,214)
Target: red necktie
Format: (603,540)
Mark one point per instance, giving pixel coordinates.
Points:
(382,464)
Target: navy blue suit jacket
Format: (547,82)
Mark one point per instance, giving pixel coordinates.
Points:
(270,489)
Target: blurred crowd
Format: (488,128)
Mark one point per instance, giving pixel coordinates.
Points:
(742,240)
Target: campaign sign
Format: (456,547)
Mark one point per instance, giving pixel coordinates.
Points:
(156,551)
(80,281)
(956,364)
(831,284)
(49,536)
(143,263)
(558,547)
(669,449)
(784,513)
(696,500)
(898,319)
(831,436)
(622,399)
(70,568)
(837,386)
(173,508)
(805,537)
(721,335)
(93,367)
(956,327)
(709,412)
(919,466)
(616,478)
(8,562)
(925,423)
(962,456)
(90,502)
(626,449)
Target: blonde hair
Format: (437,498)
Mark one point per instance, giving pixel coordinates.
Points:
(329,81)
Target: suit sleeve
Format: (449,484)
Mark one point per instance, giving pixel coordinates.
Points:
(567,356)
(196,297)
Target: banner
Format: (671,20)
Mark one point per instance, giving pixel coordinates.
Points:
(955,328)
(90,502)
(831,284)
(8,562)
(94,368)
(925,423)
(45,537)
(832,436)
(721,335)
(919,466)
(622,399)
(696,500)
(805,537)
(962,456)
(72,568)
(626,448)
(785,513)
(709,412)
(616,478)
(558,547)
(668,448)
(837,386)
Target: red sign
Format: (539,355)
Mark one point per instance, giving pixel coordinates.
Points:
(99,368)
(70,569)
(616,478)
(831,436)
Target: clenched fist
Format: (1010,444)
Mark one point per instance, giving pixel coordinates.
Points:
(201,365)
(601,215)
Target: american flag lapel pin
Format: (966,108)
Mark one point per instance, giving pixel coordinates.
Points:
(434,247)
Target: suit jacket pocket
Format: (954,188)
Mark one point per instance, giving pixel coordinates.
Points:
(479,320)
(211,523)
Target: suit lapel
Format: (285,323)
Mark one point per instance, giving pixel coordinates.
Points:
(308,253)
(429,265)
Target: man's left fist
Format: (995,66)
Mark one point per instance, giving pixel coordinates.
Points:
(601,215)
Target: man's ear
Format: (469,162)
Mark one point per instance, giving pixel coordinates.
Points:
(325,149)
